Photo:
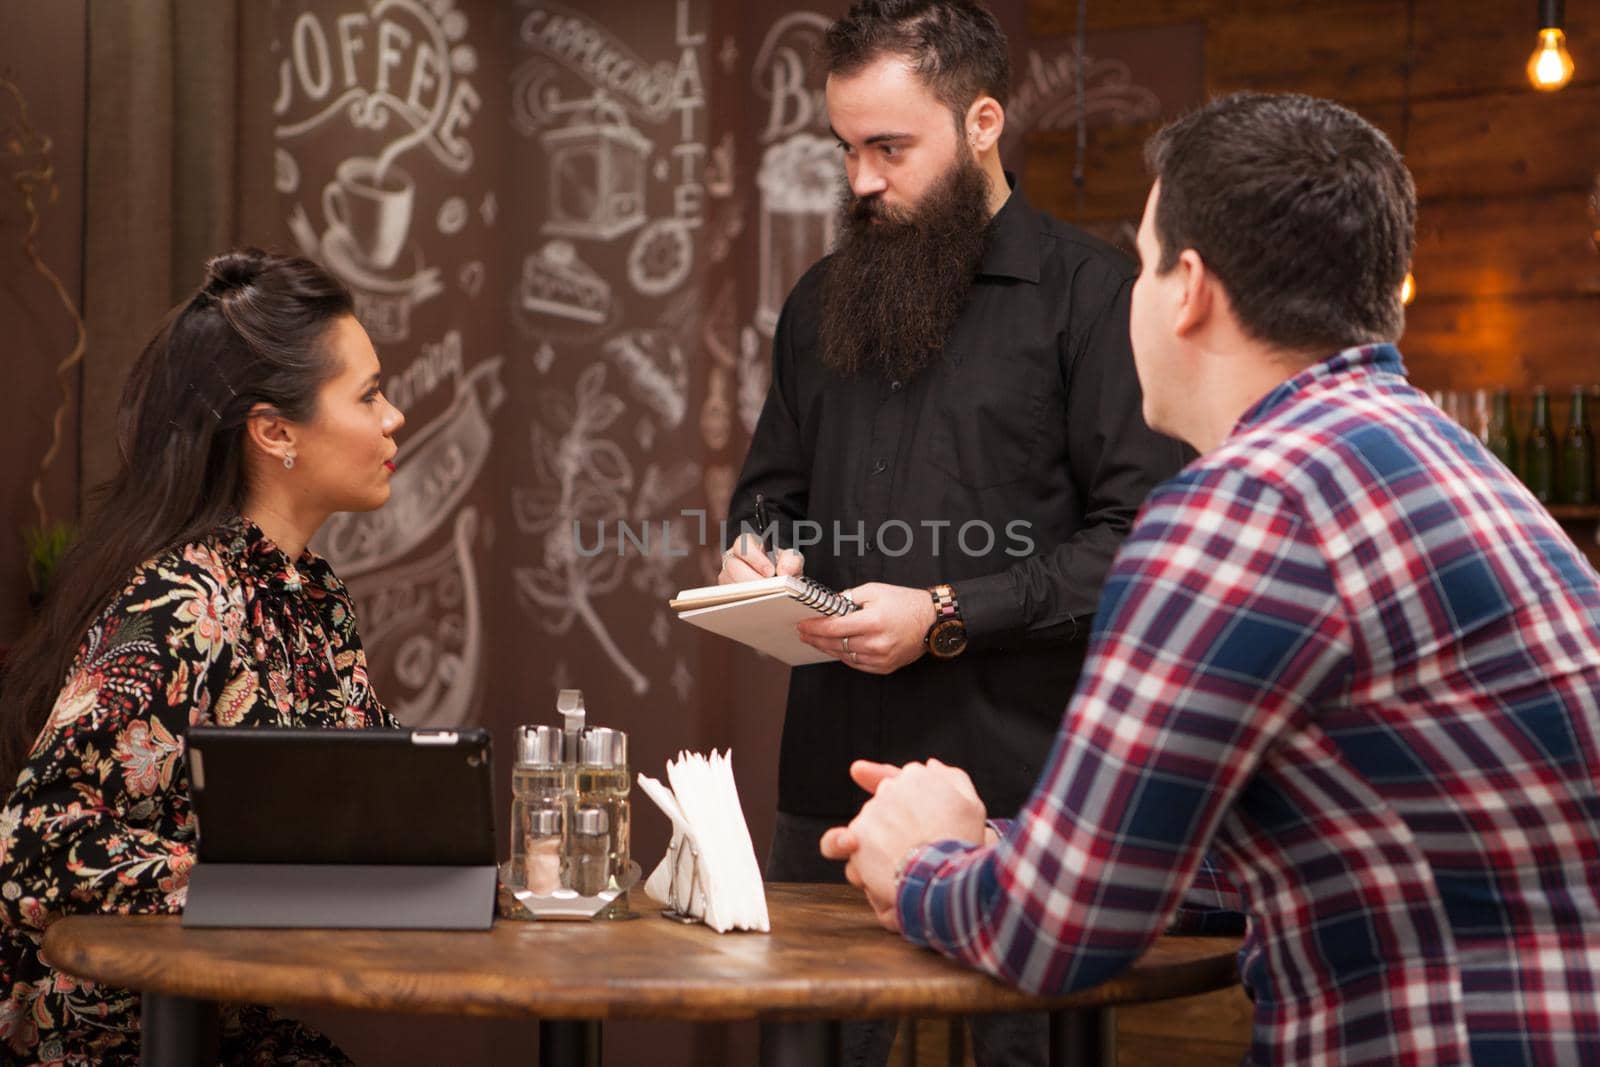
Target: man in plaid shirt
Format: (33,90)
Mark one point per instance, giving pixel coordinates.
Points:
(1344,652)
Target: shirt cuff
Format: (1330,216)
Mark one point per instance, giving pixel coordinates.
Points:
(989,606)
(916,877)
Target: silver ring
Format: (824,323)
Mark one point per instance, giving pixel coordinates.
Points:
(854,658)
(847,646)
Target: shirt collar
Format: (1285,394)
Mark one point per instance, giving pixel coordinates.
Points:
(1361,361)
(1013,250)
(251,551)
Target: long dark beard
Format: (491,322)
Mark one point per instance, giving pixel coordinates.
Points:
(899,279)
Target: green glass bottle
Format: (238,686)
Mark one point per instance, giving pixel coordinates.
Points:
(1539,451)
(1577,454)
(1501,436)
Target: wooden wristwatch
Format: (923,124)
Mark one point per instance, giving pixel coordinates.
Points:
(947,637)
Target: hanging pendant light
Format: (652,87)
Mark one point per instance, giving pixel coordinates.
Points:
(1408,287)
(1550,67)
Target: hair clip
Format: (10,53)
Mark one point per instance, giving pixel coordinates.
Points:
(206,402)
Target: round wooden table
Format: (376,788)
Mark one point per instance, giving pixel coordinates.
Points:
(825,959)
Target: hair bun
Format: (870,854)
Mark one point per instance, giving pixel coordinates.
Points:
(233,270)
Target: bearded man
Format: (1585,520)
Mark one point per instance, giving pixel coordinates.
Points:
(953,435)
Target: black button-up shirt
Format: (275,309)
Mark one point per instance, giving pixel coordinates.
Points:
(1010,468)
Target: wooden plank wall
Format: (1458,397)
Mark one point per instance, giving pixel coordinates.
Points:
(1506,265)
(1508,179)
(1507,268)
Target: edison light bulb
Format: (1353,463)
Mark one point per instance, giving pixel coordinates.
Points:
(1550,66)
(1408,289)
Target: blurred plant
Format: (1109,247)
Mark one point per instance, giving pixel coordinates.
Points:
(32,172)
(45,546)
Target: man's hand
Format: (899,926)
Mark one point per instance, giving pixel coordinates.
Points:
(911,806)
(747,560)
(885,633)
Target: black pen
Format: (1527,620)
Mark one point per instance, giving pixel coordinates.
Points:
(761,530)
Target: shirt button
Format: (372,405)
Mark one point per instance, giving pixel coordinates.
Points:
(879,467)
(895,387)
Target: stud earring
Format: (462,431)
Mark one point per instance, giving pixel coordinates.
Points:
(288,460)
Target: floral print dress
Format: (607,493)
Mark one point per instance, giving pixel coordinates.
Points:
(225,630)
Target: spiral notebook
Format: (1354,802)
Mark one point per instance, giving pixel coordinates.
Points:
(762,613)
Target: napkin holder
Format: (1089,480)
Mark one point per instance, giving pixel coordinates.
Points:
(709,873)
(683,897)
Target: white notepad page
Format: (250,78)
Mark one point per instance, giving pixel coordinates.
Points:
(762,614)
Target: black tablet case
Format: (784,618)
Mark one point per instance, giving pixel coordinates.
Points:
(353,829)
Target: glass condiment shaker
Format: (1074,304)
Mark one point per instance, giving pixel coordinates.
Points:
(537,786)
(588,855)
(603,783)
(542,862)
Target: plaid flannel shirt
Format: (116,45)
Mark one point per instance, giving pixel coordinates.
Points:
(1349,655)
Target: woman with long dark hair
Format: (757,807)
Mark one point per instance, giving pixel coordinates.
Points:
(190,597)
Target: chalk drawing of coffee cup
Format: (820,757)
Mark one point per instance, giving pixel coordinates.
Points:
(370,212)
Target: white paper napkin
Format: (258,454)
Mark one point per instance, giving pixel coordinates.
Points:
(711,862)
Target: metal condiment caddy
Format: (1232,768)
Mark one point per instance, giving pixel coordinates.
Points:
(570,821)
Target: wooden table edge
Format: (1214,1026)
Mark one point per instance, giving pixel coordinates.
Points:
(395,989)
